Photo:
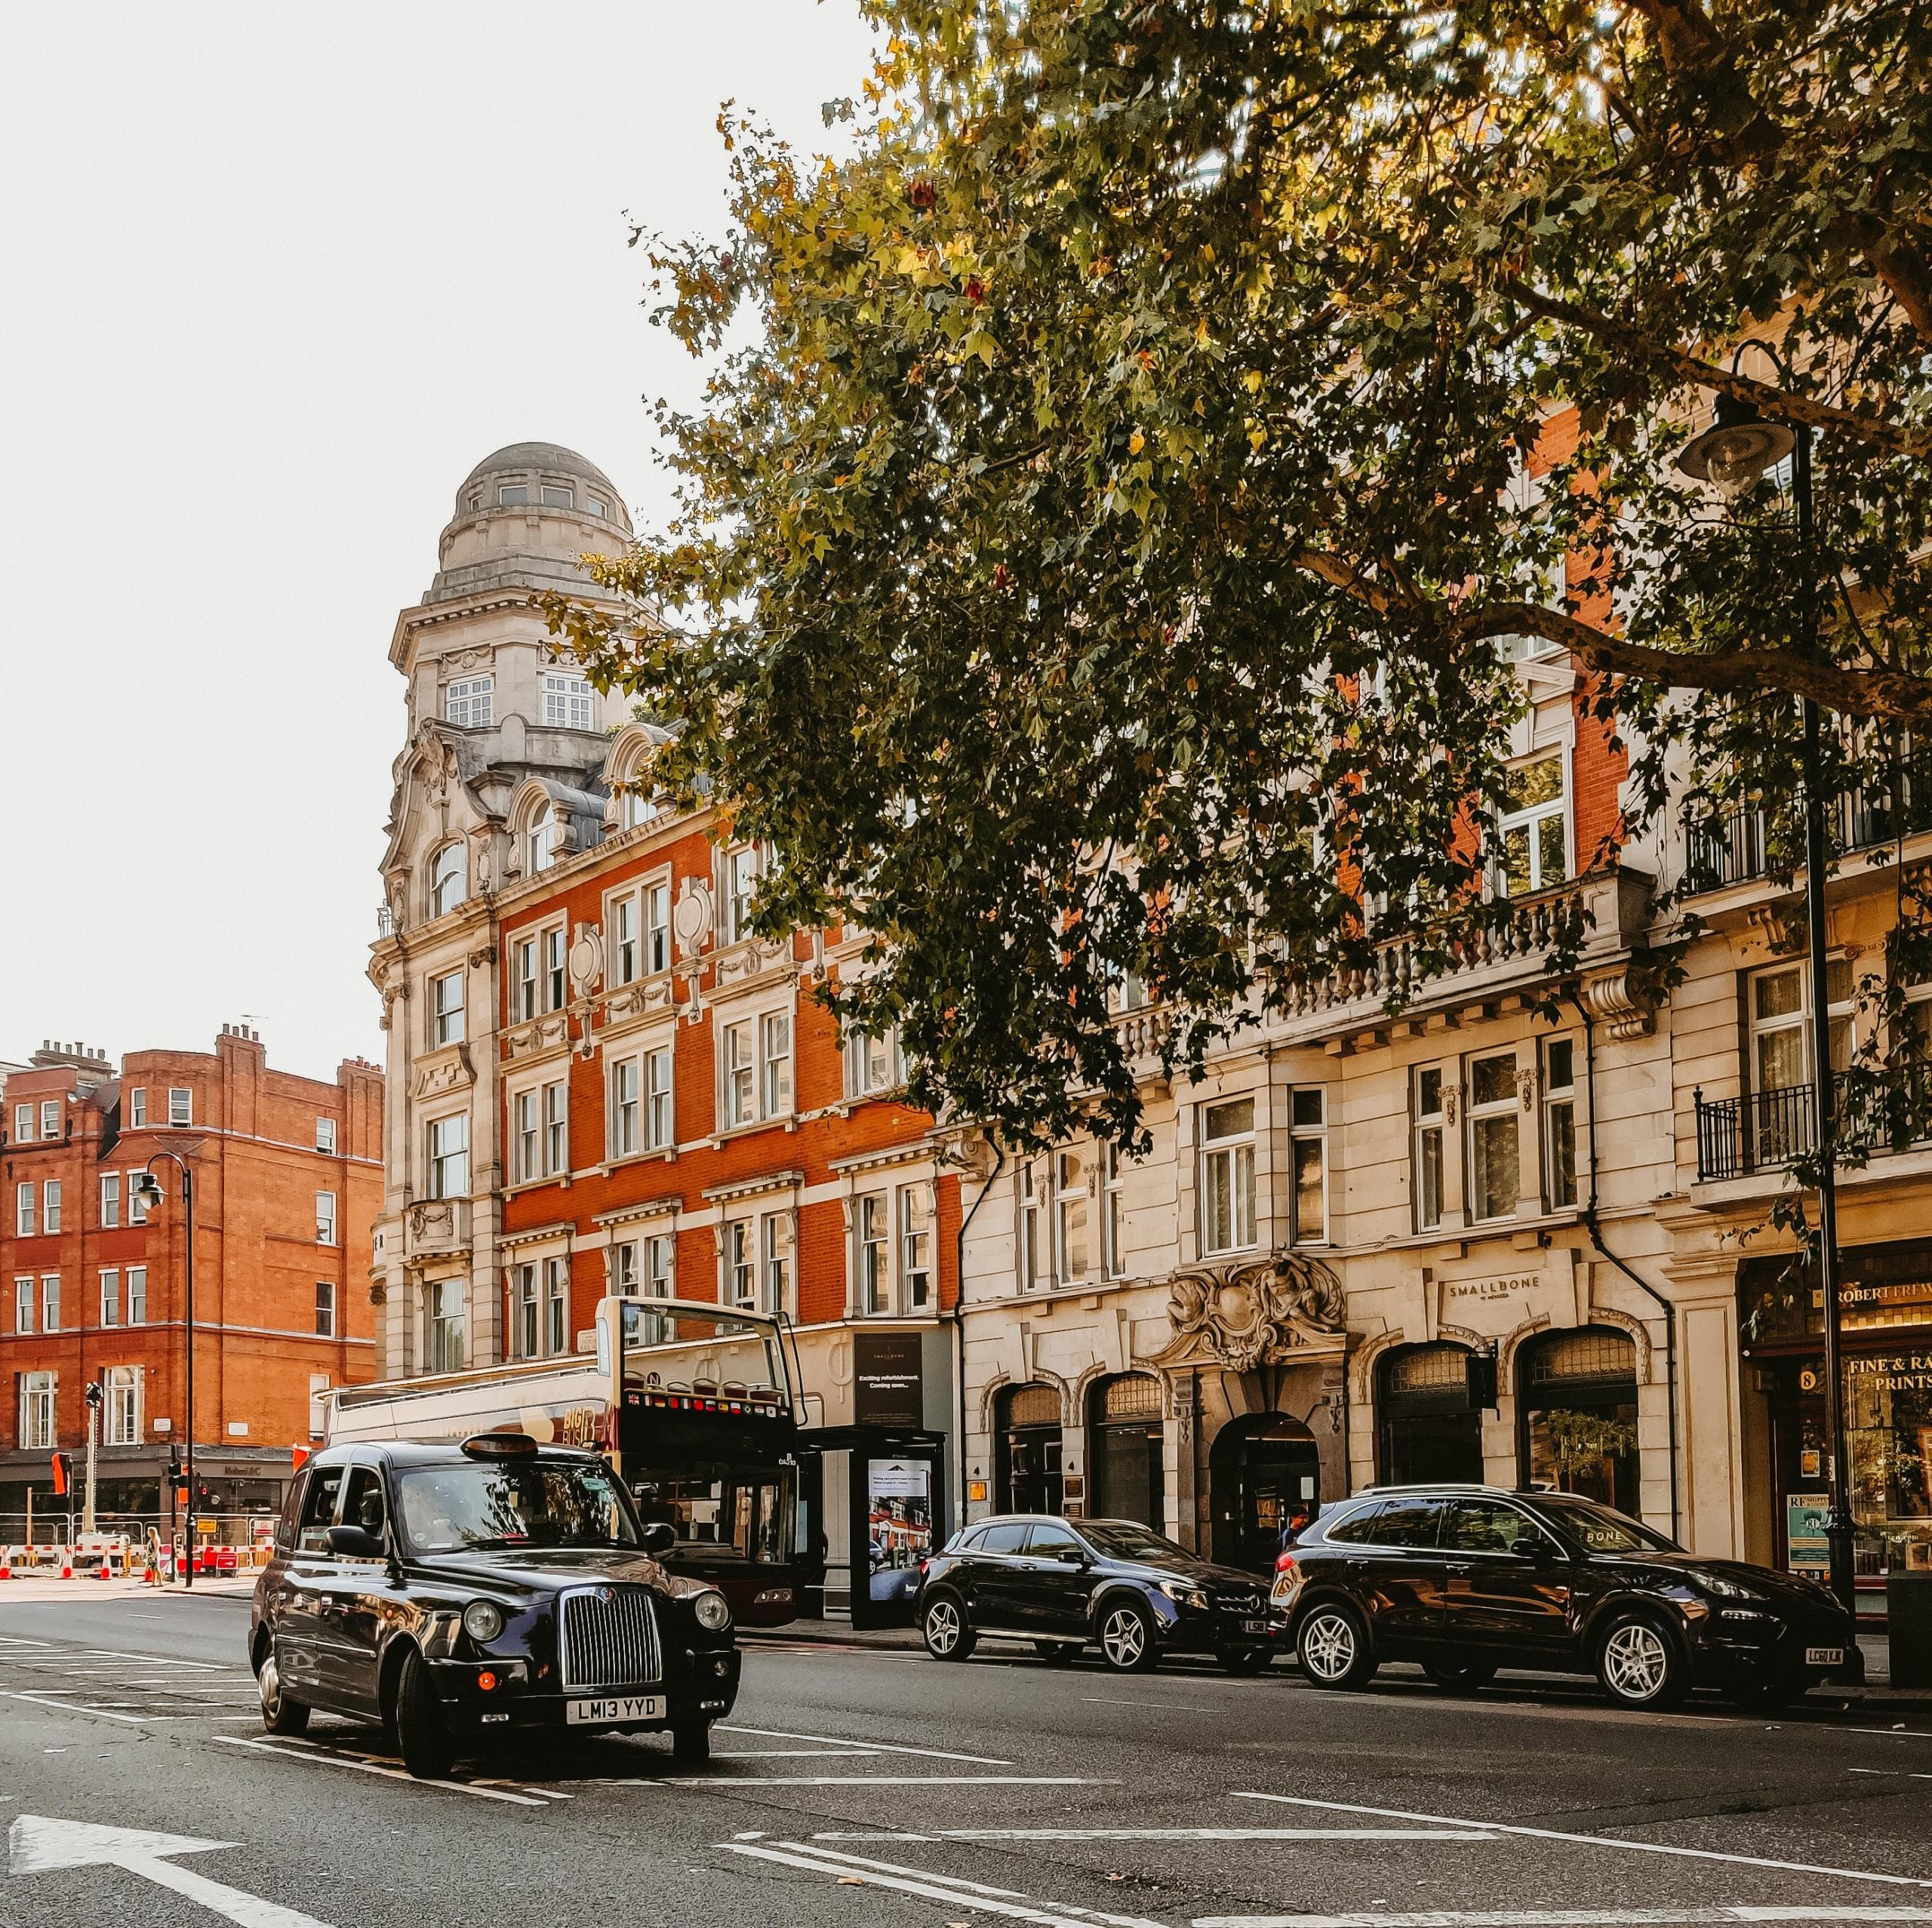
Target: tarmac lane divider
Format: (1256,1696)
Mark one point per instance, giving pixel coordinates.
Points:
(38,1844)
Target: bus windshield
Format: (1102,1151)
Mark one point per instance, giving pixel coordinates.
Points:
(735,1506)
(529,1503)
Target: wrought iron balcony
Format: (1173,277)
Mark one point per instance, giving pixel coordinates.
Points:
(1766,1130)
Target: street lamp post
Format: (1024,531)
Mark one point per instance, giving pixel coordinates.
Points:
(1740,446)
(147,1187)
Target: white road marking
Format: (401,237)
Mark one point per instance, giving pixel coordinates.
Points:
(717,1783)
(1567,1917)
(876,1747)
(1172,1835)
(1597,1840)
(81,1707)
(323,1758)
(793,1753)
(39,1846)
(1181,1706)
(971,1895)
(1890,1773)
(1893,1733)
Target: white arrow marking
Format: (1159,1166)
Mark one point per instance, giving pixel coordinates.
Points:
(38,1846)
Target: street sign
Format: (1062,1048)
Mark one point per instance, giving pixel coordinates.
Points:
(38,1845)
(207,1524)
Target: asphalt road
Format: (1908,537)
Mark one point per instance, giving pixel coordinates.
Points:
(859,1787)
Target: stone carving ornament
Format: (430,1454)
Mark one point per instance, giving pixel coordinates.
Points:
(1239,1315)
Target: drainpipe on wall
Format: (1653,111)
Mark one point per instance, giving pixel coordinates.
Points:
(1594,1226)
(959,1331)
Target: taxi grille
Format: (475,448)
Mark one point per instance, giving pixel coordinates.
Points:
(607,1637)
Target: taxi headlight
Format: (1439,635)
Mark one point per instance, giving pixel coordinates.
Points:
(713,1612)
(482,1621)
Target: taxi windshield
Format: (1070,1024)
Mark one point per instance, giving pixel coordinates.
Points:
(525,1503)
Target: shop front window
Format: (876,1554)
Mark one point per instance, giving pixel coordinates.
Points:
(1124,1450)
(1430,1429)
(1577,1395)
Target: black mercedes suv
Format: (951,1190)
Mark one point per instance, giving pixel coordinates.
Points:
(1064,1583)
(1468,1579)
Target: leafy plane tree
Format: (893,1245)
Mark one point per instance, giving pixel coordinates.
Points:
(1122,476)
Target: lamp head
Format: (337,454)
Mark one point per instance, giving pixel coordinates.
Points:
(147,1189)
(1737,449)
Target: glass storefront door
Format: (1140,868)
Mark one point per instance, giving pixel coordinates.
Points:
(1124,1451)
(1027,1448)
(1428,1430)
(1577,1392)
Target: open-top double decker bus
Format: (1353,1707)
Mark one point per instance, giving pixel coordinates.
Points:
(696,1405)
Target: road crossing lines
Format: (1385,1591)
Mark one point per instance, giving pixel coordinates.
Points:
(326,1758)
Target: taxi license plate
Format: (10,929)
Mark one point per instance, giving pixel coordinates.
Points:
(626,1706)
(1824,1656)
(1254,1626)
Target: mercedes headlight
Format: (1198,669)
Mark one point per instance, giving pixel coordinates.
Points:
(482,1621)
(1186,1596)
(713,1612)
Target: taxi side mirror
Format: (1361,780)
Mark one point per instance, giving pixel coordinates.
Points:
(356,1543)
(659,1539)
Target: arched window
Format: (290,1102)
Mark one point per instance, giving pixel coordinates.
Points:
(1427,1428)
(636,806)
(1026,1448)
(1124,1464)
(449,879)
(540,840)
(1576,1393)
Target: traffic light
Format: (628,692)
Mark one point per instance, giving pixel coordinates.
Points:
(63,1475)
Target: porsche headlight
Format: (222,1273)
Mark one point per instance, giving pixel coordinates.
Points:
(482,1621)
(1724,1589)
(713,1612)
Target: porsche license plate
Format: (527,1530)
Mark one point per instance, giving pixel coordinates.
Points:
(612,1708)
(1824,1656)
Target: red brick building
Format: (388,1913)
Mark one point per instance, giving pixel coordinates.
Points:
(288,1181)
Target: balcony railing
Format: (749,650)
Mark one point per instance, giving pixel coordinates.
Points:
(1895,800)
(1766,1130)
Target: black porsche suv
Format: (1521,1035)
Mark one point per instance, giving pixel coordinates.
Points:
(1470,1579)
(461,1592)
(1064,1584)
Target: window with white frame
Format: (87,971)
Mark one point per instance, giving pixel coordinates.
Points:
(774,1063)
(554,495)
(869,1235)
(512,495)
(656,928)
(50,1205)
(137,1295)
(916,1247)
(1559,1122)
(523,979)
(775,1262)
(22,1124)
(1308,1152)
(318,1406)
(1113,1212)
(449,1156)
(1780,1020)
(325,1135)
(540,840)
(660,1123)
(110,1295)
(446,1008)
(123,1404)
(527,1134)
(449,879)
(23,1305)
(471,703)
(739,1073)
(556,1306)
(1534,828)
(740,1262)
(1430,1108)
(637,804)
(623,1267)
(1495,1169)
(626,957)
(1227,1176)
(738,884)
(50,1118)
(1072,1249)
(137,1108)
(37,1394)
(556,1128)
(49,1301)
(556,978)
(660,1261)
(26,1210)
(443,1325)
(567,701)
(180,1105)
(324,1308)
(526,1319)
(627,1110)
(873,1064)
(325,1217)
(137,1203)
(1027,1186)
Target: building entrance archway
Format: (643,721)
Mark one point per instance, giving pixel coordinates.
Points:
(1430,1429)
(1026,1450)
(1264,1474)
(1125,1478)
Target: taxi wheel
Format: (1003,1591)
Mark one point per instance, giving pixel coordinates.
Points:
(690,1743)
(281,1713)
(423,1738)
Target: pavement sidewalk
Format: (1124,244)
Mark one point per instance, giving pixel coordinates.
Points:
(1879,1696)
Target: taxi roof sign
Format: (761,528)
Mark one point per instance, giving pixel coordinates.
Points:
(500,1445)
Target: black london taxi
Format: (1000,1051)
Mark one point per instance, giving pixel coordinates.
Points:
(460,1592)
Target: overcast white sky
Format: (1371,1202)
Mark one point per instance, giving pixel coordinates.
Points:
(272,279)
